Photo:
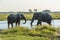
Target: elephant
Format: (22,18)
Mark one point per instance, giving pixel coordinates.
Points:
(41,17)
(15,19)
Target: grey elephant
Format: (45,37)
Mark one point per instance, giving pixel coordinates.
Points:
(15,19)
(41,17)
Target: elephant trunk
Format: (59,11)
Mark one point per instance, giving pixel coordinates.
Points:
(32,20)
(25,20)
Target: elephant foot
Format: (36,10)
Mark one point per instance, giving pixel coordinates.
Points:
(11,27)
(8,28)
(18,26)
(31,26)
(49,25)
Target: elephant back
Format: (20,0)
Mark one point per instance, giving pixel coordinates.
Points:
(19,16)
(47,16)
(11,18)
(38,15)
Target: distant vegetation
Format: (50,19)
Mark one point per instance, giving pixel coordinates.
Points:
(55,15)
(3,16)
(29,16)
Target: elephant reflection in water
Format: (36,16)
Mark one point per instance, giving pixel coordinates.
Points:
(41,17)
(15,19)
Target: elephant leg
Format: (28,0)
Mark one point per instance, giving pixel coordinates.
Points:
(49,23)
(19,23)
(16,24)
(8,25)
(38,23)
(12,25)
(31,24)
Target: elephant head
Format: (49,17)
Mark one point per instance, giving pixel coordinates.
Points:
(21,16)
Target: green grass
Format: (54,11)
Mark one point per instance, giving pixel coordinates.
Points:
(28,16)
(22,33)
(55,15)
(22,37)
(3,16)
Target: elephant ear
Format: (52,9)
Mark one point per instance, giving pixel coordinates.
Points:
(20,16)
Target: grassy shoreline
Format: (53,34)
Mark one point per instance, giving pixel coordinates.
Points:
(22,33)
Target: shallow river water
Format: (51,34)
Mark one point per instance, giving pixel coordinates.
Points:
(3,24)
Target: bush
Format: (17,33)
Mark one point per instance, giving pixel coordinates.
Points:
(38,31)
(34,33)
(45,27)
(46,31)
(42,38)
